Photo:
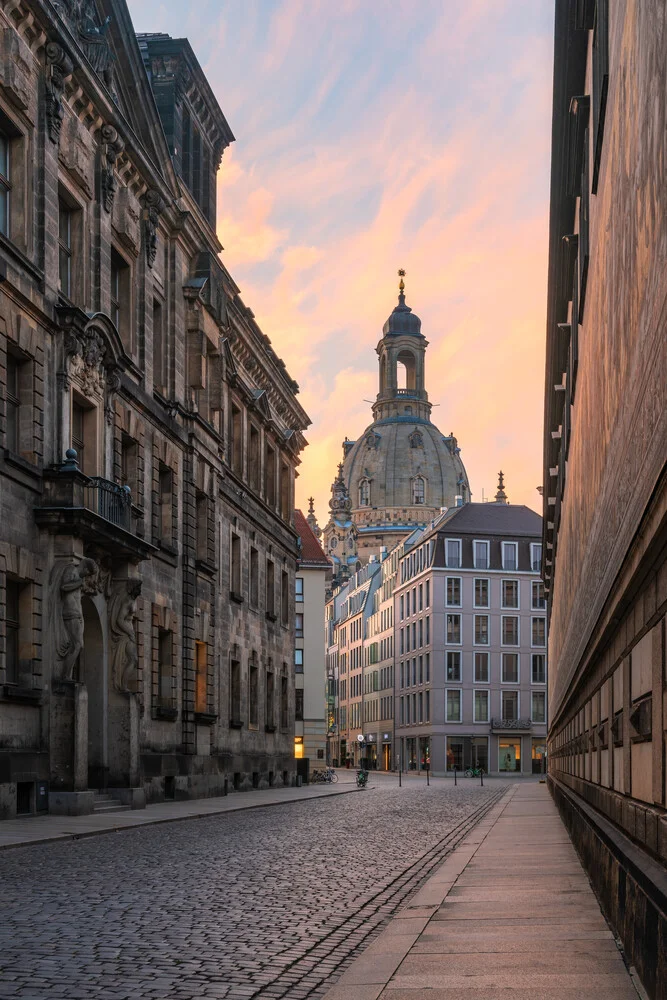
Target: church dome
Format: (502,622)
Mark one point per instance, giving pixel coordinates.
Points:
(406,464)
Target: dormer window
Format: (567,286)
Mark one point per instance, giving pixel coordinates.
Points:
(364,493)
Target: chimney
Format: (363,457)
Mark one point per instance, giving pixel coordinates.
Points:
(459,500)
(383,553)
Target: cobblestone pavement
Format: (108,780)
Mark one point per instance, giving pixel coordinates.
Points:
(264,903)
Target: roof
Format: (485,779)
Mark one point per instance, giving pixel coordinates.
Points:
(492,519)
(311,552)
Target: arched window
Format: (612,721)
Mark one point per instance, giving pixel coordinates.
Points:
(418,490)
(406,371)
(364,493)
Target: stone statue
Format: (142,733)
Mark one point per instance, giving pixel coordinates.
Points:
(69,579)
(122,613)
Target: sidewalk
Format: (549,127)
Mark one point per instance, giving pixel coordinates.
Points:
(37,829)
(510,914)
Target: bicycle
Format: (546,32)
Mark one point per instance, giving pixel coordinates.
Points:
(474,772)
(362,778)
(330,775)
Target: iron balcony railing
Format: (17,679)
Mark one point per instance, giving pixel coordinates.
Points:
(109,500)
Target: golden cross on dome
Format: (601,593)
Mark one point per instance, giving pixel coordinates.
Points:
(401,274)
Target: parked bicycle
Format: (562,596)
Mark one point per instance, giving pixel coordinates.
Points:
(362,778)
(328,774)
(474,772)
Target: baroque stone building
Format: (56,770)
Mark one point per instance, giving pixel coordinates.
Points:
(605,451)
(150,434)
(402,470)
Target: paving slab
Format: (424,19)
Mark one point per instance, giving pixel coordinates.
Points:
(510,914)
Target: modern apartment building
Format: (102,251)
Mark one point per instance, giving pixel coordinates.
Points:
(310,722)
(605,455)
(470,643)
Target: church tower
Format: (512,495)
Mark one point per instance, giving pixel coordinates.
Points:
(402,470)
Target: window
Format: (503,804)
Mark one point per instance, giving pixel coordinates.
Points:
(428,631)
(298,705)
(13,403)
(481,703)
(298,661)
(270,601)
(285,492)
(364,493)
(159,350)
(453,628)
(510,668)
(235,573)
(510,593)
(481,593)
(284,599)
(298,588)
(253,696)
(235,692)
(454,591)
(538,668)
(428,593)
(510,630)
(481,630)
(84,436)
(538,634)
(202,516)
(453,706)
(538,706)
(12,630)
(165,668)
(284,703)
(129,454)
(510,704)
(270,476)
(121,297)
(201,677)
(65,248)
(254,577)
(298,619)
(536,557)
(270,698)
(418,490)
(538,601)
(254,458)
(165,504)
(481,555)
(5,182)
(453,551)
(510,560)
(237,440)
(481,668)
(402,607)
(454,666)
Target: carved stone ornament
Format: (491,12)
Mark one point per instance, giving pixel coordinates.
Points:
(92,35)
(112,147)
(340,502)
(68,580)
(122,614)
(94,355)
(152,206)
(59,67)
(372,441)
(416,439)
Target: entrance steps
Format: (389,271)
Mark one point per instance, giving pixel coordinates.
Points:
(104,802)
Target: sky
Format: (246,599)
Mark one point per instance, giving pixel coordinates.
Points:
(373,135)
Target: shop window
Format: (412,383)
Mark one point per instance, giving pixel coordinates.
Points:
(509,755)
(510,593)
(284,598)
(481,668)
(253,696)
(454,591)
(254,577)
(538,668)
(298,705)
(235,692)
(454,666)
(481,593)
(201,677)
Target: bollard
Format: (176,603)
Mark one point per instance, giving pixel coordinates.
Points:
(399,776)
(481,778)
(454,775)
(427,776)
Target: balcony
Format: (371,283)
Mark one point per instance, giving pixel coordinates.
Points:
(511,725)
(92,508)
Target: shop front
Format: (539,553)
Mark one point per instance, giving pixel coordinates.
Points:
(387,761)
(539,755)
(424,753)
(509,754)
(467,751)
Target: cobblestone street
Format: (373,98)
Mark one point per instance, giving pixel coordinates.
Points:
(268,902)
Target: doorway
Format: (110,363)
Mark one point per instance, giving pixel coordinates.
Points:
(93,673)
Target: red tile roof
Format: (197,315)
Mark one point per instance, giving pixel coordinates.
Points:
(311,551)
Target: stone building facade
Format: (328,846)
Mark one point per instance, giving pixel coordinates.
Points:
(402,470)
(150,435)
(605,448)
(470,643)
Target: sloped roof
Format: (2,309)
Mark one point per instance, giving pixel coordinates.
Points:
(311,553)
(493,518)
